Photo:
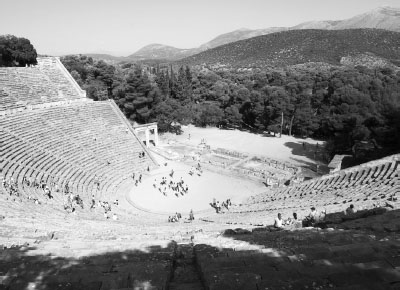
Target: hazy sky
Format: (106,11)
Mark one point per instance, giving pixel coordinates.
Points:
(121,27)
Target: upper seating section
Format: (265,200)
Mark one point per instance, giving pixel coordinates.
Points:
(84,145)
(47,82)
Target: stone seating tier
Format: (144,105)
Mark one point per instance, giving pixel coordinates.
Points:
(78,144)
(47,82)
(372,184)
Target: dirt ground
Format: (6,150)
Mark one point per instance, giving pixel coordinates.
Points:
(286,148)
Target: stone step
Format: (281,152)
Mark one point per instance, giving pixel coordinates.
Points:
(185,286)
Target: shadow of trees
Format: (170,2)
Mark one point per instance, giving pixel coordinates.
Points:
(21,268)
(311,151)
(303,259)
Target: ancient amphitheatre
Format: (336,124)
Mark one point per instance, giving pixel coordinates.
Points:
(51,133)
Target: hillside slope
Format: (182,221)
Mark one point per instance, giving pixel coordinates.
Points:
(383,18)
(237,35)
(301,46)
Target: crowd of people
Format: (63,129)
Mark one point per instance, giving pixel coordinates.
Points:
(73,201)
(11,187)
(169,185)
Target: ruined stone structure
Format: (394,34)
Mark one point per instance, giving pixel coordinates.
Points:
(147,129)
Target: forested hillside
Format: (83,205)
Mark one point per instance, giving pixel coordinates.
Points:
(342,105)
(300,46)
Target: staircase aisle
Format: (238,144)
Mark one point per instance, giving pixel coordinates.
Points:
(186,275)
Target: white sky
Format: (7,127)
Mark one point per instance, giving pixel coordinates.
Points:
(121,27)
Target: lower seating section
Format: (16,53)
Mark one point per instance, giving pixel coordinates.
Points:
(370,185)
(84,147)
(325,259)
(65,259)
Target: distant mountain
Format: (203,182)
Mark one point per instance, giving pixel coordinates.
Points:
(105,57)
(303,46)
(160,51)
(381,18)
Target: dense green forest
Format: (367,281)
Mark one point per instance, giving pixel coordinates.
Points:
(344,106)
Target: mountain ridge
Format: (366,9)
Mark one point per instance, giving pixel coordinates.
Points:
(384,17)
(293,47)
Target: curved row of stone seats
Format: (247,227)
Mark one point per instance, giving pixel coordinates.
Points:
(367,177)
(48,81)
(306,259)
(38,239)
(84,145)
(370,185)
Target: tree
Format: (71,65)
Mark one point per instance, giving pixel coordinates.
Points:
(138,96)
(210,114)
(16,51)
(232,116)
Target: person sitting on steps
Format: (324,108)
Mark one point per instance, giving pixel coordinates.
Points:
(350,210)
(311,218)
(278,223)
(292,221)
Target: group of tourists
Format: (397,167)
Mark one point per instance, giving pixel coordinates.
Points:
(196,170)
(177,216)
(40,185)
(73,200)
(311,219)
(106,207)
(138,179)
(226,204)
(10,187)
(166,186)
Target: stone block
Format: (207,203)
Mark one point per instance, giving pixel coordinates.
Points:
(380,264)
